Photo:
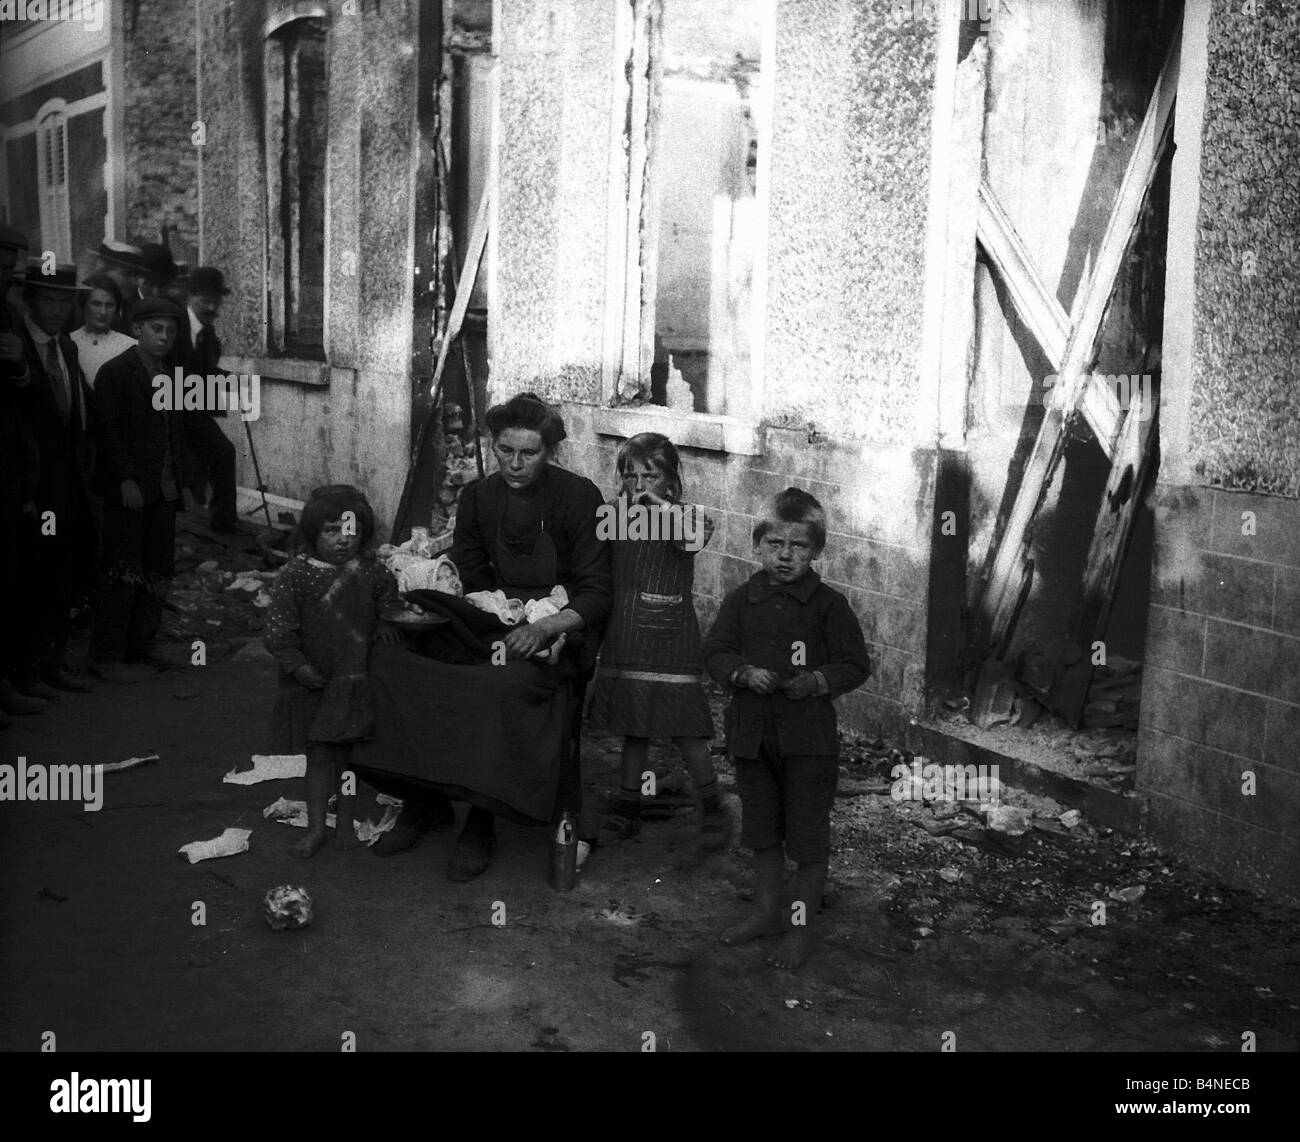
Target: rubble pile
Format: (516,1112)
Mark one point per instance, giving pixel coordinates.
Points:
(1114,695)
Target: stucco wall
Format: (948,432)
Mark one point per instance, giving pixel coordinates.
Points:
(556,67)
(356,429)
(1245,416)
(847,224)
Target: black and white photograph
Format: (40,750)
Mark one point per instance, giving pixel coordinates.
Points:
(474,469)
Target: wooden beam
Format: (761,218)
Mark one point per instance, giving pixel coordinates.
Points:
(1033,301)
(1133,468)
(1005,587)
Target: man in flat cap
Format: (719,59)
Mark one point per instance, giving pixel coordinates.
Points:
(199,352)
(142,478)
(19,472)
(56,405)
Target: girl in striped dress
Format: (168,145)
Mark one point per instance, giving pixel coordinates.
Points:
(649,682)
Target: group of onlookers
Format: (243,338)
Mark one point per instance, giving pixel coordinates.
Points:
(91,473)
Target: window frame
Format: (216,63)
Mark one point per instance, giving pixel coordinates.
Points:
(61,242)
(630,314)
(277,34)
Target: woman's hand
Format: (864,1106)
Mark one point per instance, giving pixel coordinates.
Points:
(388,635)
(310,677)
(525,641)
(132,497)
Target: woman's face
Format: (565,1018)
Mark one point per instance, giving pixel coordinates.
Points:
(521,456)
(641,479)
(101,309)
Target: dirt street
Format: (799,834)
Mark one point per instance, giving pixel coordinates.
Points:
(991,940)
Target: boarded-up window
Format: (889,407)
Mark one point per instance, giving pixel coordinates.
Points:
(297,119)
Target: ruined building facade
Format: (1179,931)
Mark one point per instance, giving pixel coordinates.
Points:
(838,244)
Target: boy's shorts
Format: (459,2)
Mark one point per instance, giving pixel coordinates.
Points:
(787,799)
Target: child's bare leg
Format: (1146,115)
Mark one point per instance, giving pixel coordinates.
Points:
(345,833)
(765,918)
(797,944)
(625,821)
(715,830)
(320,780)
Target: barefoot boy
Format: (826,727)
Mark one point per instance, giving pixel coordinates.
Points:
(786,645)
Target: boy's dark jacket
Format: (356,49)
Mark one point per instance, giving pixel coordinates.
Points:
(758,625)
(133,433)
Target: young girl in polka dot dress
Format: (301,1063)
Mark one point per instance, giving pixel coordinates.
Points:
(325,613)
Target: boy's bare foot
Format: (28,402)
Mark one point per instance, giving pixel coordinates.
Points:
(345,836)
(794,949)
(310,843)
(760,922)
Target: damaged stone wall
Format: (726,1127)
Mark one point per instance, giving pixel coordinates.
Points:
(556,101)
(848,217)
(1245,400)
(160,160)
(1217,758)
(354,427)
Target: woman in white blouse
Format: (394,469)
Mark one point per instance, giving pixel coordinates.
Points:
(97,341)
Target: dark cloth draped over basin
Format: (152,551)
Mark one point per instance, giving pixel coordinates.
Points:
(447,719)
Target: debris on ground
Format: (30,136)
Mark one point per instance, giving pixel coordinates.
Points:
(269,767)
(231,843)
(287,907)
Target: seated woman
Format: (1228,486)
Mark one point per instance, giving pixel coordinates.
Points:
(527,527)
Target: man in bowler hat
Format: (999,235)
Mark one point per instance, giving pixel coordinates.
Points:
(199,352)
(19,471)
(56,406)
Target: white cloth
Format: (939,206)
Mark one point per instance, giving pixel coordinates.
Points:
(195,325)
(96,349)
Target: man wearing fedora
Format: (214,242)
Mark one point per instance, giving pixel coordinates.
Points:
(19,472)
(56,406)
(142,477)
(199,351)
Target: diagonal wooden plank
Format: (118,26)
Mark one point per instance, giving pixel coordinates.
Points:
(1134,465)
(1005,585)
(1033,301)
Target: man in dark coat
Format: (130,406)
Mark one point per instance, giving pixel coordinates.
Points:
(143,474)
(199,352)
(19,472)
(56,406)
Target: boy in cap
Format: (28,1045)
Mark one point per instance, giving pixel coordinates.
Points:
(56,406)
(143,474)
(786,645)
(142,471)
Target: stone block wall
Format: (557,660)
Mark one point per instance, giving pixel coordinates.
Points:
(1221,689)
